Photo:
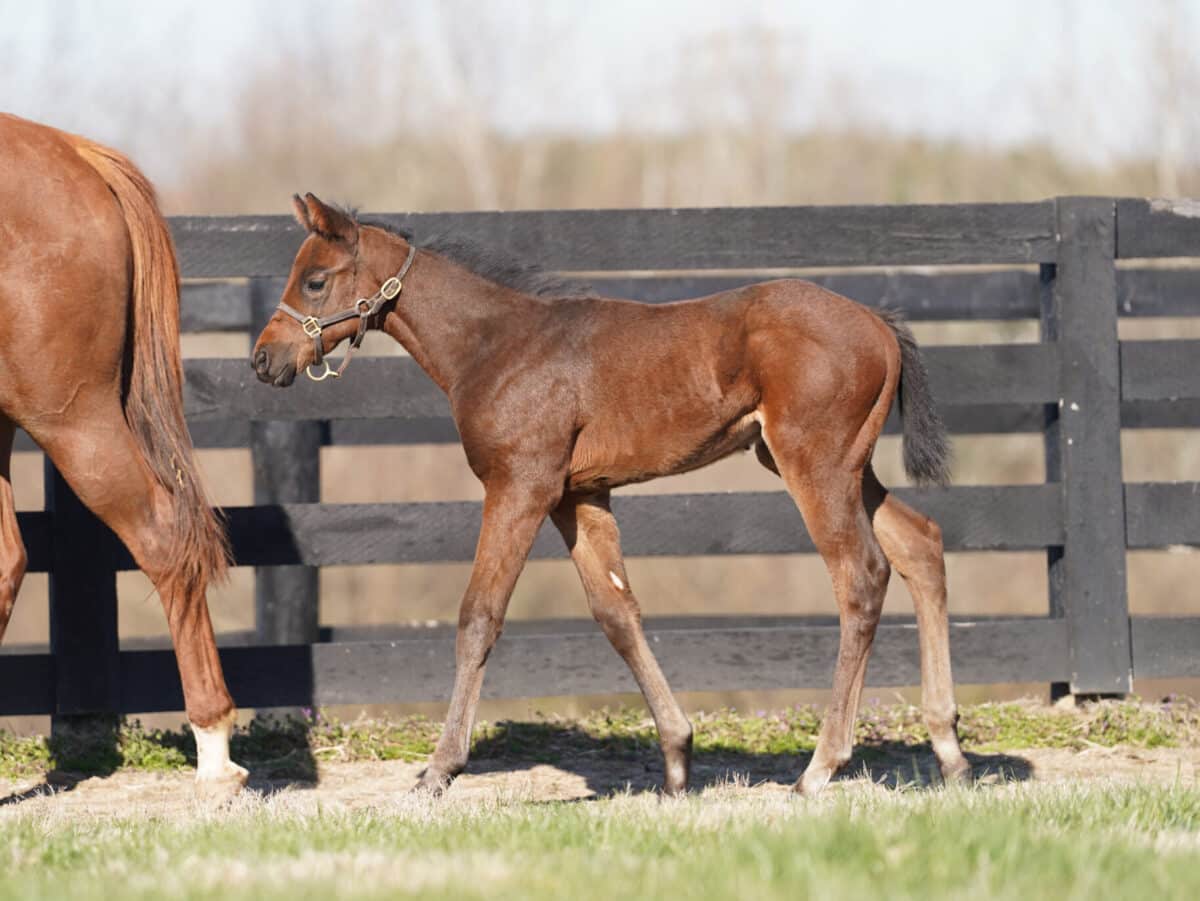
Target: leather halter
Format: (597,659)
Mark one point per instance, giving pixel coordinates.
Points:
(364,308)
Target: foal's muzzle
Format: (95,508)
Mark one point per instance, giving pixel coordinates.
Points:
(281,378)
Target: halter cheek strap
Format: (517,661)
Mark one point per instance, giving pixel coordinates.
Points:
(365,308)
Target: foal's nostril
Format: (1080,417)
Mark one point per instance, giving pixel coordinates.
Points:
(259,360)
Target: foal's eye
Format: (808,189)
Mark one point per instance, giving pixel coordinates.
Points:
(315,285)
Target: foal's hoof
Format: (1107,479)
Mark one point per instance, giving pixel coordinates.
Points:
(956,772)
(813,782)
(219,789)
(675,791)
(433,783)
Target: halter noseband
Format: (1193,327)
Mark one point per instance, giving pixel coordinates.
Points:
(364,308)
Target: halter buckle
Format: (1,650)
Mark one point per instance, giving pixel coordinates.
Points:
(363,305)
(391,288)
(311,327)
(329,373)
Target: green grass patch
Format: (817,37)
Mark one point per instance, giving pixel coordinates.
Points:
(1006,842)
(292,747)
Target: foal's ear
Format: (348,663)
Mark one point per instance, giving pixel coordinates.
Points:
(329,222)
(300,211)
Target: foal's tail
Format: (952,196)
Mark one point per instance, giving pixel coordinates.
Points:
(154,374)
(926,447)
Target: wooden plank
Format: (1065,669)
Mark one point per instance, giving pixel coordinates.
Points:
(35,526)
(1006,294)
(83,605)
(228,389)
(1166,647)
(993,373)
(718,238)
(1158,228)
(1162,514)
(1165,414)
(1087,440)
(993,419)
(287,470)
(1160,370)
(223,389)
(972,518)
(27,684)
(990,419)
(580,661)
(922,296)
(218,306)
(1158,292)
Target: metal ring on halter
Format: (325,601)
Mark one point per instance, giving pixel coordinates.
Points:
(329,372)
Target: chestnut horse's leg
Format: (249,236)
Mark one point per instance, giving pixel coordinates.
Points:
(588,527)
(913,544)
(512,515)
(100,459)
(12,548)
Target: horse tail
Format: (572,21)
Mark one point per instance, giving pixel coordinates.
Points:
(926,447)
(153,377)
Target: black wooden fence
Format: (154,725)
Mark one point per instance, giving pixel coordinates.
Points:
(1078,387)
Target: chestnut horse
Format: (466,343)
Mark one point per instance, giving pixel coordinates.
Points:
(89,312)
(559,399)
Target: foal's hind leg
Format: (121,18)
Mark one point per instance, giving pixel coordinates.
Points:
(12,549)
(913,544)
(102,463)
(588,527)
(830,499)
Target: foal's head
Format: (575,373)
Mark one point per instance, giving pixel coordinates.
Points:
(329,276)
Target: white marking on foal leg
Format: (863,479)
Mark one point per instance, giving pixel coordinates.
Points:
(212,752)
(616,580)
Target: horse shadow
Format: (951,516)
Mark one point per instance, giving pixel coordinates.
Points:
(616,765)
(275,749)
(280,758)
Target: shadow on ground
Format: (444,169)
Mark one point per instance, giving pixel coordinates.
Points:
(279,756)
(616,764)
(275,751)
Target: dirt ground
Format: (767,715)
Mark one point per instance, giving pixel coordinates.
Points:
(363,784)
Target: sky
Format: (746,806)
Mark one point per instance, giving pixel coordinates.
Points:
(1000,73)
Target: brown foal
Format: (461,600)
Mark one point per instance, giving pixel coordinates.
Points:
(559,399)
(89,312)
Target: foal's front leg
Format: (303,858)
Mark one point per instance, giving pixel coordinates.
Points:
(512,516)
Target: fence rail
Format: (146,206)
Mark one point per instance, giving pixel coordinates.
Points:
(1073,264)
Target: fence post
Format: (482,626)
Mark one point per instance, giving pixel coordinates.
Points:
(1083,447)
(1051,439)
(83,611)
(287,470)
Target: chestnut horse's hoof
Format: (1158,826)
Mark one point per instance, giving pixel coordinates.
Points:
(219,789)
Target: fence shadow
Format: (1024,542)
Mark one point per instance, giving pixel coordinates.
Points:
(612,765)
(80,748)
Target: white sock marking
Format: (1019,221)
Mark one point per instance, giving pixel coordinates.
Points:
(212,750)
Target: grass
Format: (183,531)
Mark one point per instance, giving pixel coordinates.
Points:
(1012,841)
(290,747)
(999,840)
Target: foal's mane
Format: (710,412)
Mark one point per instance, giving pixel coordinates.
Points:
(489,263)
